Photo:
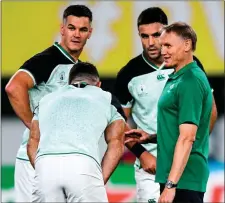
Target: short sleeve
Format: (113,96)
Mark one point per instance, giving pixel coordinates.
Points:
(190,100)
(121,89)
(38,67)
(116,110)
(36,113)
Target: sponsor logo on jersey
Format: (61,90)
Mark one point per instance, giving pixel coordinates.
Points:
(161,77)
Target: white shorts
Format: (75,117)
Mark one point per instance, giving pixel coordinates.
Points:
(70,178)
(25,183)
(147,189)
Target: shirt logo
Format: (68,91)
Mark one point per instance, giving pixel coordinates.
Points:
(62,75)
(142,90)
(62,78)
(171,87)
(161,77)
(152,200)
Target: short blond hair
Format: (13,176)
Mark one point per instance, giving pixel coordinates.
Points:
(183,30)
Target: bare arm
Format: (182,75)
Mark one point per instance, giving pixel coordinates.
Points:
(33,141)
(114,136)
(147,160)
(213,116)
(17,91)
(182,151)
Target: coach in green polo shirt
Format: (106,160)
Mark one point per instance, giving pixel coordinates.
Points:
(184,110)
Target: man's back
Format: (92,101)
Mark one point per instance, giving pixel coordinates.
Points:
(72,120)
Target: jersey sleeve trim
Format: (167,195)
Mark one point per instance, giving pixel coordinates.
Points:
(128,105)
(29,73)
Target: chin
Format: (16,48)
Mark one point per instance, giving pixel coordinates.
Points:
(75,49)
(153,56)
(168,65)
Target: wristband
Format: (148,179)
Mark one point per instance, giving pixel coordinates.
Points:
(137,150)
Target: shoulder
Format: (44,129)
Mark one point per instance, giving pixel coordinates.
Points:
(195,76)
(46,57)
(131,66)
(132,69)
(198,63)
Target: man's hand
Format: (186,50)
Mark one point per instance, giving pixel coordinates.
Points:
(167,195)
(137,135)
(148,162)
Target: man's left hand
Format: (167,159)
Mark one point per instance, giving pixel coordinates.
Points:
(167,195)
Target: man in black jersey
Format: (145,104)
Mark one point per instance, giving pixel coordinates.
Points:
(43,73)
(138,87)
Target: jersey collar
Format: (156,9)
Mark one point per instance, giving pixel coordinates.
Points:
(64,52)
(182,70)
(151,64)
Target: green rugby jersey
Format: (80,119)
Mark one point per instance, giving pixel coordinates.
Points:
(72,120)
(139,85)
(49,71)
(186,98)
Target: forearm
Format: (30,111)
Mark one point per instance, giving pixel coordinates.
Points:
(213,116)
(180,159)
(19,100)
(111,158)
(32,147)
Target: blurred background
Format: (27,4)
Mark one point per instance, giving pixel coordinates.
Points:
(28,27)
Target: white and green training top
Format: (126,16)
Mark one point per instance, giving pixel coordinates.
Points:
(139,85)
(72,120)
(49,71)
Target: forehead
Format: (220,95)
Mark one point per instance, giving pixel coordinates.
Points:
(169,37)
(150,28)
(78,21)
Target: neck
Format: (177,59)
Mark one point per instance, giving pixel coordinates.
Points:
(74,54)
(183,63)
(158,61)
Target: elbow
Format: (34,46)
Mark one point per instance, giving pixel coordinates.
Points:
(10,89)
(188,140)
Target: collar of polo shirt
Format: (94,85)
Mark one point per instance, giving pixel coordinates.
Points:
(180,72)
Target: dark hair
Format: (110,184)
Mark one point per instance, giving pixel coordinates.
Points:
(77,10)
(183,30)
(82,71)
(152,15)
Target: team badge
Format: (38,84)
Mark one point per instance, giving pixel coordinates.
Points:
(160,77)
(142,90)
(62,76)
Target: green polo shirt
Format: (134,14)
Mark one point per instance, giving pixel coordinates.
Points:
(186,98)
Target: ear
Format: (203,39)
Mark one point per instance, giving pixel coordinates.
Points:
(187,45)
(62,28)
(99,83)
(90,32)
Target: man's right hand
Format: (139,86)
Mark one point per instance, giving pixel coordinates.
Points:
(148,162)
(136,135)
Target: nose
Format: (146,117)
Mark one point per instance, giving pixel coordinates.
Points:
(76,33)
(151,41)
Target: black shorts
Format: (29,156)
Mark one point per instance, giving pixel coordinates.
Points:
(186,196)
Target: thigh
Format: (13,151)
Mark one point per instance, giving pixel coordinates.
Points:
(86,188)
(188,196)
(83,181)
(23,181)
(147,189)
(48,179)
(37,195)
